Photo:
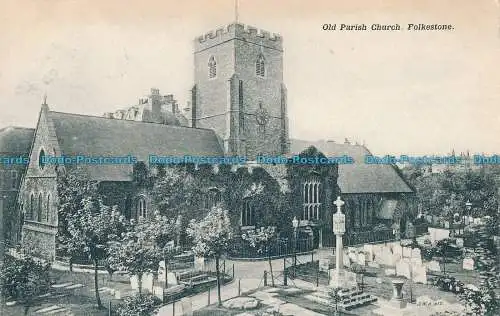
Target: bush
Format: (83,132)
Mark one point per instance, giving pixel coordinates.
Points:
(139,305)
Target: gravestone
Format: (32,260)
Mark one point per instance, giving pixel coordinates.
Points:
(468,264)
(199,263)
(460,242)
(158,292)
(347,260)
(361,259)
(353,256)
(187,306)
(434,266)
(406,252)
(419,274)
(416,258)
(324,264)
(387,258)
(403,268)
(446,224)
(134,284)
(171,279)
(397,250)
(161,272)
(390,272)
(147,282)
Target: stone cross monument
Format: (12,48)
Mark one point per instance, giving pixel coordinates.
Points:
(338,230)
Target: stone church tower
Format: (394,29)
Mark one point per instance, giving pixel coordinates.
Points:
(239,91)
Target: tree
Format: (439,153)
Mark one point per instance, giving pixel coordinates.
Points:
(24,279)
(212,237)
(91,230)
(140,249)
(262,239)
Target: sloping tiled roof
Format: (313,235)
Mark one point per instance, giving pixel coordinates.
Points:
(358,177)
(16,140)
(99,136)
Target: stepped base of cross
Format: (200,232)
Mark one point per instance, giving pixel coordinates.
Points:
(349,298)
(349,295)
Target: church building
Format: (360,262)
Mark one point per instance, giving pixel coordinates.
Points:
(238,107)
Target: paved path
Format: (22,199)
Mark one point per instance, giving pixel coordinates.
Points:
(249,275)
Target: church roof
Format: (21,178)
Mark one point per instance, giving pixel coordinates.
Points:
(16,140)
(99,136)
(357,177)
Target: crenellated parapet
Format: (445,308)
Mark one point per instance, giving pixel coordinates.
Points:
(238,31)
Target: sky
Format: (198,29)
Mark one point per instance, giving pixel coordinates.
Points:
(406,92)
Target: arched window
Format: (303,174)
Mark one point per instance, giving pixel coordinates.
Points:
(212,67)
(142,210)
(31,214)
(13,177)
(260,66)
(311,198)
(47,209)
(41,156)
(247,214)
(212,198)
(40,208)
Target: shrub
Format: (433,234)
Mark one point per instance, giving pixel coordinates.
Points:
(139,305)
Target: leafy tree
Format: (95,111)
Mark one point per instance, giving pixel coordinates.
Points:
(91,230)
(24,279)
(140,249)
(262,239)
(212,237)
(139,305)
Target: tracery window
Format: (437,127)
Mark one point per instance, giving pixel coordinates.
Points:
(311,197)
(31,213)
(47,209)
(212,67)
(247,213)
(260,66)
(142,210)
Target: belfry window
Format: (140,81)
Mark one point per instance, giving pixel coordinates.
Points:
(311,199)
(247,214)
(260,68)
(41,157)
(212,68)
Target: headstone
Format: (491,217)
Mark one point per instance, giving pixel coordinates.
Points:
(118,295)
(324,264)
(406,252)
(419,274)
(134,283)
(390,272)
(353,256)
(428,218)
(373,264)
(187,306)
(416,258)
(446,224)
(171,279)
(460,242)
(347,260)
(468,264)
(147,282)
(158,292)
(397,250)
(361,259)
(161,272)
(434,266)
(403,268)
(199,263)
(387,258)
(368,250)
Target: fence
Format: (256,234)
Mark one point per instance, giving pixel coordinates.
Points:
(357,238)
(241,249)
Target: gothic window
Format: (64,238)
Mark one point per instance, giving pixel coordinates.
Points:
(212,198)
(32,207)
(142,210)
(212,67)
(41,156)
(260,69)
(40,208)
(311,198)
(247,213)
(13,177)
(357,215)
(47,209)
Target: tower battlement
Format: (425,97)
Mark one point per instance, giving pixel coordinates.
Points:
(238,31)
